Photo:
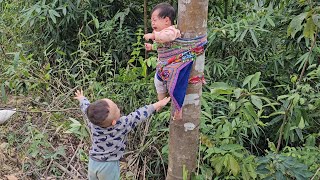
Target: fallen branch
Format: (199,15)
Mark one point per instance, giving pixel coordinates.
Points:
(64,170)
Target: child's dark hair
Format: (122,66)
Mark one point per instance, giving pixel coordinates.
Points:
(98,112)
(166,10)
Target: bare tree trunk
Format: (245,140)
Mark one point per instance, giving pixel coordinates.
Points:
(183,145)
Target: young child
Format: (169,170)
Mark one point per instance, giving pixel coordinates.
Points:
(109,132)
(164,32)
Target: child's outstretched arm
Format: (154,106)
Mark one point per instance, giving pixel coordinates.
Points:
(84,102)
(149,36)
(167,35)
(141,114)
(161,103)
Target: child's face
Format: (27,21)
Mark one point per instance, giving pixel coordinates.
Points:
(159,23)
(114,111)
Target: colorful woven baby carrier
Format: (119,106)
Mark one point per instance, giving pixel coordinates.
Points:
(175,65)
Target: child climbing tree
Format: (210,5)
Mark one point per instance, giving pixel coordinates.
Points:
(184,134)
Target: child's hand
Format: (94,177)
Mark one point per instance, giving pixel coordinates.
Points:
(79,95)
(149,36)
(161,103)
(148,46)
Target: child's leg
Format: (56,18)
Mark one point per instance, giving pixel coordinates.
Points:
(110,170)
(161,96)
(161,88)
(103,170)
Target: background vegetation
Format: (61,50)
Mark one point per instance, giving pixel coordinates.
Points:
(260,108)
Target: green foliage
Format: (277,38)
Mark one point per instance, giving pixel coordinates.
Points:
(227,160)
(275,166)
(237,112)
(299,109)
(137,58)
(308,155)
(24,74)
(78,129)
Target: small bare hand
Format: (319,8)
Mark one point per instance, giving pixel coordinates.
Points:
(149,36)
(148,46)
(79,94)
(158,105)
(164,101)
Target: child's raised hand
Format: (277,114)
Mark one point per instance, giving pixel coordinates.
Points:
(79,94)
(149,36)
(148,46)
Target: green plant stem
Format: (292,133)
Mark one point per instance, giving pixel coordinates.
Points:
(280,135)
(315,173)
(3,52)
(282,126)
(310,51)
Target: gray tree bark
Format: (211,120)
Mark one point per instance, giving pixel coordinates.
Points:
(183,145)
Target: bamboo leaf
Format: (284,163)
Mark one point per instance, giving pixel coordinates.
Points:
(96,22)
(301,123)
(27,16)
(53,18)
(55,13)
(243,34)
(270,21)
(64,11)
(16,60)
(247,80)
(237,93)
(250,109)
(255,79)
(254,38)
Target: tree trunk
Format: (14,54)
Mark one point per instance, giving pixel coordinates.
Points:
(183,145)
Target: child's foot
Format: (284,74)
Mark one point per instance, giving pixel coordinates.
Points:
(177,115)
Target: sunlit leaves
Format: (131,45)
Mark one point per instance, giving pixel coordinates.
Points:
(306,21)
(253,36)
(229,158)
(53,14)
(256,101)
(282,167)
(296,24)
(77,129)
(252,80)
(309,29)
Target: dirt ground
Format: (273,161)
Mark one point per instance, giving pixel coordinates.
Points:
(10,164)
